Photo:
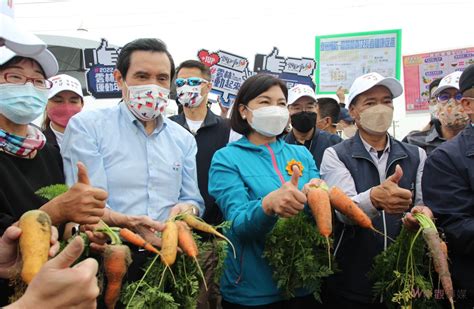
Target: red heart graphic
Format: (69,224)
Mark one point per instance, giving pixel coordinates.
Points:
(208,59)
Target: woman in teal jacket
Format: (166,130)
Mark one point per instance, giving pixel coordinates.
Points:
(251,180)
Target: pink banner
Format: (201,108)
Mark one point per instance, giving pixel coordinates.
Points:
(420,70)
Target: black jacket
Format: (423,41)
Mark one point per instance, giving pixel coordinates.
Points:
(50,137)
(320,141)
(211,136)
(448,189)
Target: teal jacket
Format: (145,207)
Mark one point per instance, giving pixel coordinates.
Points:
(241,175)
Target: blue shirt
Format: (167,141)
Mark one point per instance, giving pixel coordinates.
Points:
(143,174)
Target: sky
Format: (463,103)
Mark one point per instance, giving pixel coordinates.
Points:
(247,27)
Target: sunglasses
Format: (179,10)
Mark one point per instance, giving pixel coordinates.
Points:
(445,97)
(192,81)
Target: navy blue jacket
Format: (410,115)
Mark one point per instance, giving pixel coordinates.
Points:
(320,141)
(356,247)
(448,189)
(210,137)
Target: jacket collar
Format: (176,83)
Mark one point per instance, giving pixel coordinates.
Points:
(209,121)
(359,151)
(469,133)
(276,146)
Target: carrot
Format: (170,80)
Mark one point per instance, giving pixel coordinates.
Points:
(318,201)
(169,246)
(438,252)
(137,240)
(200,225)
(116,261)
(347,207)
(189,246)
(35,241)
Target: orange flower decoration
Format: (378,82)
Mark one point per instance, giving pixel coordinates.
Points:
(289,166)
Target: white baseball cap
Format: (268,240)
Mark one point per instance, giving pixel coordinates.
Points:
(45,58)
(299,91)
(449,81)
(370,80)
(63,82)
(15,37)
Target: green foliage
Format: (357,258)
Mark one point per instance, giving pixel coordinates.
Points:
(52,191)
(160,290)
(402,273)
(298,255)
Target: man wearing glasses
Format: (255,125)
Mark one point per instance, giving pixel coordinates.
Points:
(450,114)
(448,189)
(211,132)
(302,105)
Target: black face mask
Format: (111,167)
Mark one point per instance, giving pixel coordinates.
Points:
(303,121)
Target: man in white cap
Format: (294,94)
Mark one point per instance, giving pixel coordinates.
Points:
(65,100)
(302,107)
(381,175)
(450,115)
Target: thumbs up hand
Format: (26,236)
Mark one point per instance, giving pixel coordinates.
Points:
(286,201)
(82,203)
(389,196)
(58,285)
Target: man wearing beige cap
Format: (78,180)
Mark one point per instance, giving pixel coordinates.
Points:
(381,175)
(302,107)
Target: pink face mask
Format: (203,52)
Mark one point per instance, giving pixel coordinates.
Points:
(60,114)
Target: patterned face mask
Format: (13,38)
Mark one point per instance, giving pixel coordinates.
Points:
(147,102)
(452,115)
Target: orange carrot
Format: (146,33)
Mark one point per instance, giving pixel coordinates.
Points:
(35,241)
(116,261)
(347,207)
(169,246)
(444,248)
(440,261)
(200,225)
(318,201)
(189,246)
(137,240)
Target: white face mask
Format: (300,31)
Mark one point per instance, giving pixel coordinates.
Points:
(377,119)
(189,96)
(147,102)
(269,120)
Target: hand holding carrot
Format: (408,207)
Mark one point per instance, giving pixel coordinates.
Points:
(183,208)
(389,196)
(286,201)
(411,222)
(57,284)
(82,203)
(9,258)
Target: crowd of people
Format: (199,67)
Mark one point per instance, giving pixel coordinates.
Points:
(132,167)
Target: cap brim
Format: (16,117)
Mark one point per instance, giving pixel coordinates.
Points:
(45,58)
(442,88)
(302,95)
(18,39)
(52,94)
(392,84)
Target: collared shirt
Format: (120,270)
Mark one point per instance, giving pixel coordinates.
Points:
(334,172)
(143,174)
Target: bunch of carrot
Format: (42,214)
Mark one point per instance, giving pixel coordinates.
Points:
(178,233)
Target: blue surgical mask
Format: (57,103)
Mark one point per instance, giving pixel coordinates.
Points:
(22,104)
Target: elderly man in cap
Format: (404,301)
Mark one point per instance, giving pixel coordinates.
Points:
(302,107)
(448,187)
(450,113)
(381,175)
